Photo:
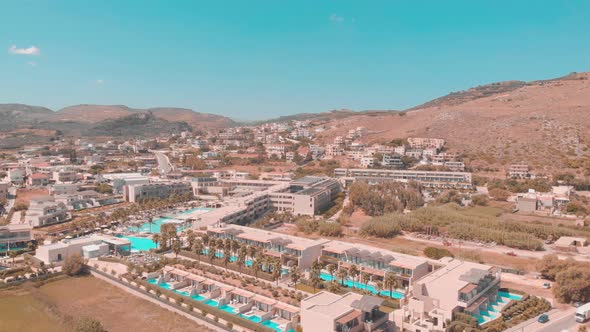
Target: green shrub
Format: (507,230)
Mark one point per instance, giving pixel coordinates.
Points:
(437,253)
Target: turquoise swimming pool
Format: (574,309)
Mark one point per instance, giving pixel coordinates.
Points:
(252,318)
(274,326)
(140,243)
(492,311)
(353,284)
(156,225)
(225,307)
(212,303)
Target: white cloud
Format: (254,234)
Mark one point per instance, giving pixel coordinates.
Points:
(33,50)
(99,82)
(336,18)
(32,63)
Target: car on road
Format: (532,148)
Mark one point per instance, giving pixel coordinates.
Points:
(544,318)
(547,285)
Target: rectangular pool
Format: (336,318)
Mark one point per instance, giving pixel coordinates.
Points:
(353,284)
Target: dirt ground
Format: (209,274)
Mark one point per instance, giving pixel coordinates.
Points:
(74,298)
(24,195)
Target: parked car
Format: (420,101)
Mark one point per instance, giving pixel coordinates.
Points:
(544,318)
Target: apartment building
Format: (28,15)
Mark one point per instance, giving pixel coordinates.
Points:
(310,195)
(291,250)
(16,176)
(306,196)
(460,180)
(276,150)
(392,160)
(519,171)
(334,150)
(63,189)
(65,176)
(350,312)
(367,162)
(38,180)
(45,211)
(156,190)
(445,156)
(376,262)
(455,166)
(425,143)
(203,185)
(14,237)
(458,286)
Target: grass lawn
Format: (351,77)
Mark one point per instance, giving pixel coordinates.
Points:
(58,305)
(306,288)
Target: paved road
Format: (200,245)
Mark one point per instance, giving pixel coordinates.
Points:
(163,162)
(10,199)
(567,323)
(559,320)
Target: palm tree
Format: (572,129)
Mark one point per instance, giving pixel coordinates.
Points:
(220,245)
(176,246)
(242,257)
(342,274)
(379,287)
(226,256)
(150,222)
(190,238)
(198,249)
(331,269)
(257,265)
(354,272)
(205,239)
(211,251)
(251,252)
(13,255)
(235,246)
(391,282)
(315,275)
(365,277)
(276,270)
(156,238)
(294,274)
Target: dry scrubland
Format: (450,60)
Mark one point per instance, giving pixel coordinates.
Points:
(57,306)
(543,123)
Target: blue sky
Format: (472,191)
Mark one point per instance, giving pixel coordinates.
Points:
(258,59)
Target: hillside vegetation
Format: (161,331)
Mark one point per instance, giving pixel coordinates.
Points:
(463,224)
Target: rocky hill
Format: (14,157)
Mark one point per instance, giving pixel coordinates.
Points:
(15,115)
(139,124)
(97,113)
(544,123)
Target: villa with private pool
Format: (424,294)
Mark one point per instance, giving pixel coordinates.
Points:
(279,316)
(456,286)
